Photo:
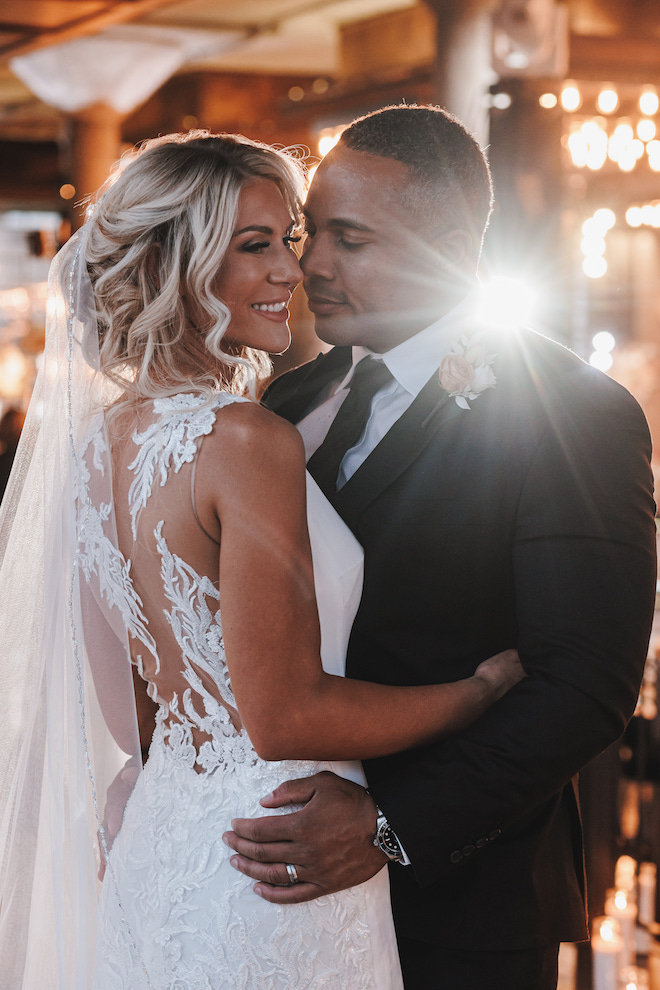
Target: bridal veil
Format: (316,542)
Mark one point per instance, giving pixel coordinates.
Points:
(68,721)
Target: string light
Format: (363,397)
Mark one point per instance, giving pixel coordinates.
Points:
(548,101)
(647,215)
(594,231)
(646,130)
(649,102)
(570,97)
(501,101)
(594,266)
(603,344)
(590,145)
(608,100)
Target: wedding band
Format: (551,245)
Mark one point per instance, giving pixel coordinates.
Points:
(293,873)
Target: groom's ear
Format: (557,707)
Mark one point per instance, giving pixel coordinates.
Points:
(453,246)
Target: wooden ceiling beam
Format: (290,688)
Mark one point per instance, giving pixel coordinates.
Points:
(114,12)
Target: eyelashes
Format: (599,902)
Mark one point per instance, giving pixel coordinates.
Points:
(254,247)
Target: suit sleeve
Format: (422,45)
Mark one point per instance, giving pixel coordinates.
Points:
(584,576)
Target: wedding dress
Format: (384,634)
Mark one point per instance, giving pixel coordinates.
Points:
(174,913)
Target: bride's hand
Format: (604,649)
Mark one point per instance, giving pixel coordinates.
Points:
(501,672)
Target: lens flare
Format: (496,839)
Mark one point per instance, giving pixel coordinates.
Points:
(506,302)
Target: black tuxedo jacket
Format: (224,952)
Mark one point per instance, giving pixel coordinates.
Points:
(526,521)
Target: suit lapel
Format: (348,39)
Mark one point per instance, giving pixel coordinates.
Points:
(404,442)
(299,388)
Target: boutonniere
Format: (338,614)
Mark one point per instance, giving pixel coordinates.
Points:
(466,371)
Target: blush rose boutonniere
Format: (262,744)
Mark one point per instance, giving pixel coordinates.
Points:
(466,371)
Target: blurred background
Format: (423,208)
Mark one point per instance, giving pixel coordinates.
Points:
(564,96)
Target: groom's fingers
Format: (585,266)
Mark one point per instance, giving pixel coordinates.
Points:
(259,852)
(274,883)
(288,895)
(276,828)
(298,791)
(272,874)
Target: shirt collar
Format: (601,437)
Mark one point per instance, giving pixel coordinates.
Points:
(413,361)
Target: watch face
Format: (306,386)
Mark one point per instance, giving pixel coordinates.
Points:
(389,843)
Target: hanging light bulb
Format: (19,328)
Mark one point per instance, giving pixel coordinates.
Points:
(649,102)
(570,97)
(608,100)
(646,130)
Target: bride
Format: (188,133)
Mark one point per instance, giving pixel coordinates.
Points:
(159,528)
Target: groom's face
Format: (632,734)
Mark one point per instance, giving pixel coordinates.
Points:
(373,274)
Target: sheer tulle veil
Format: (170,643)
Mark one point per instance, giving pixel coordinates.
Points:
(68,721)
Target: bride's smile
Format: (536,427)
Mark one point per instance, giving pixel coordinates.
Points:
(259,270)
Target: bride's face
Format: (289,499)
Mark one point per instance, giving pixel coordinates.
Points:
(260,270)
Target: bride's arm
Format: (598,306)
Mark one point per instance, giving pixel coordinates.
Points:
(290,707)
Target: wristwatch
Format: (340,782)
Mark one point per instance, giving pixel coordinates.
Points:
(385,839)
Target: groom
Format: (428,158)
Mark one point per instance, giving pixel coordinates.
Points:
(502,492)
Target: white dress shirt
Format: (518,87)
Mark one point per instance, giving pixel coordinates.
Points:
(411,364)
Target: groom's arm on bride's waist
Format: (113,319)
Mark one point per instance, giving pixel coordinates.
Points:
(584,571)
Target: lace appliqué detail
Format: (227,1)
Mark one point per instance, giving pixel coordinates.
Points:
(198,632)
(98,557)
(168,443)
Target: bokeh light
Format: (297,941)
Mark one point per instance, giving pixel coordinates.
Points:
(603,341)
(570,97)
(649,102)
(646,130)
(608,100)
(594,266)
(601,360)
(548,101)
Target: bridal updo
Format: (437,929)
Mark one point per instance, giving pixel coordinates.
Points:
(157,236)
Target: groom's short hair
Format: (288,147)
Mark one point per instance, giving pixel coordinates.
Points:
(451,183)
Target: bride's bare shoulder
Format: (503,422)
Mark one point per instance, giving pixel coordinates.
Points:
(247,435)
(248,422)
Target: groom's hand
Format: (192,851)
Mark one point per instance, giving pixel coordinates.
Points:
(329,840)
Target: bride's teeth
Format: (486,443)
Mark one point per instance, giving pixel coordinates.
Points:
(269,308)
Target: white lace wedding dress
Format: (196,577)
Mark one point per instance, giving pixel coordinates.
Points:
(174,915)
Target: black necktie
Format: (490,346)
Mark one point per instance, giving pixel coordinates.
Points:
(369,377)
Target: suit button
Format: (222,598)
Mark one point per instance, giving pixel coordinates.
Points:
(480,843)
(468,850)
(456,856)
(495,834)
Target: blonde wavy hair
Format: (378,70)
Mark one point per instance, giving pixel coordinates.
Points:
(158,233)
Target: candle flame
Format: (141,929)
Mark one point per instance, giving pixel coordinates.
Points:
(621,900)
(607,931)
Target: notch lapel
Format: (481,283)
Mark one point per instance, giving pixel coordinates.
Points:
(299,388)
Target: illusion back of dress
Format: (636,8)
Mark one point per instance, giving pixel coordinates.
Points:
(173,911)
(174,569)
